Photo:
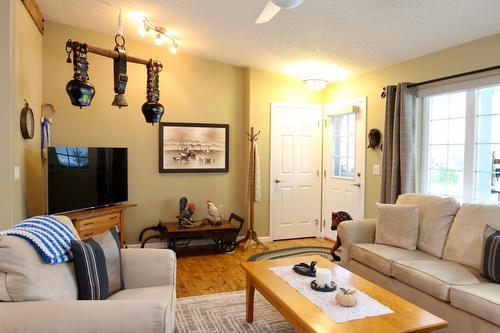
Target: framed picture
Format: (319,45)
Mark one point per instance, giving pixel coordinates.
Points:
(190,147)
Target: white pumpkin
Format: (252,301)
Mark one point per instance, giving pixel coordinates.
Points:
(346,297)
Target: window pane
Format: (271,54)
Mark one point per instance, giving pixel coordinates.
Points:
(437,182)
(456,157)
(352,124)
(344,146)
(438,157)
(438,132)
(457,105)
(438,107)
(456,131)
(344,149)
(488,129)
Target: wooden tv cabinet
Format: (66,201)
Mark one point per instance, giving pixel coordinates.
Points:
(90,222)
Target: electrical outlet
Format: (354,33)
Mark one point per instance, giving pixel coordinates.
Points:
(376,169)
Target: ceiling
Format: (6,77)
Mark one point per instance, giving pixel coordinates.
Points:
(354,35)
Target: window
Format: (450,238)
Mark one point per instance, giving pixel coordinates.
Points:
(461,144)
(344,145)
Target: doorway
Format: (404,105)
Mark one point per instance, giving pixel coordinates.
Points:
(317,166)
(295,188)
(344,148)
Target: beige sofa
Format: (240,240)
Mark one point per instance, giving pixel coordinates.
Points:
(442,275)
(37,297)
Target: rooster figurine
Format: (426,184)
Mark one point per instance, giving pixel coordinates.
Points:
(186,211)
(215,212)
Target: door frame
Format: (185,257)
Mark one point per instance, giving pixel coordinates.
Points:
(272,211)
(328,111)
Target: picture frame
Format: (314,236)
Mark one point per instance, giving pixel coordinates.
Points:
(193,147)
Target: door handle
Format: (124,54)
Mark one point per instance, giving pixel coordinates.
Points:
(276,180)
(357,185)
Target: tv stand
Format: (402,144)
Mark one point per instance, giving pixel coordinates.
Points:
(90,222)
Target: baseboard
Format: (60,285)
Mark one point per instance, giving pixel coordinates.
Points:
(194,242)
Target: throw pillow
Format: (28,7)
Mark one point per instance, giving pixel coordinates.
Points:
(490,268)
(397,225)
(97,265)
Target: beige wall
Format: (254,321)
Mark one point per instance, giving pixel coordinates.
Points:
(27,85)
(191,89)
(475,55)
(5,58)
(264,88)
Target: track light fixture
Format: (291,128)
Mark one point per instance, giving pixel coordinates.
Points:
(161,35)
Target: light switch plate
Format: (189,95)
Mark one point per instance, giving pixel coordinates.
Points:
(17,172)
(376,169)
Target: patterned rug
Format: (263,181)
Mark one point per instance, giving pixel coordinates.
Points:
(295,252)
(225,312)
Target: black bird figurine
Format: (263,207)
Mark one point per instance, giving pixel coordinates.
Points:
(305,269)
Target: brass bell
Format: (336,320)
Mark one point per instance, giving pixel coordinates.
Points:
(119,101)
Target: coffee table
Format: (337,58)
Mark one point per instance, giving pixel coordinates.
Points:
(304,316)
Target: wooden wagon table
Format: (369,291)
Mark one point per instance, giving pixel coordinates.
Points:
(224,235)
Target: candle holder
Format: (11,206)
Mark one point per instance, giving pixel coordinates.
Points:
(332,287)
(305,269)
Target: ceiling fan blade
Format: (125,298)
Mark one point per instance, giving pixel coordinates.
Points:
(268,13)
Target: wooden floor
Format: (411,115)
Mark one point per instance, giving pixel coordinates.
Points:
(204,270)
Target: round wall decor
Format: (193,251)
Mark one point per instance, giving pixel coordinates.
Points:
(27,122)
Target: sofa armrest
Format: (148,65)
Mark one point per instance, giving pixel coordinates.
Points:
(148,268)
(83,316)
(351,232)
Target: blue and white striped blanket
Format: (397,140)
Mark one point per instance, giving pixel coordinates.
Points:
(49,236)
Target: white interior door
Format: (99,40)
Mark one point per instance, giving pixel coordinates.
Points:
(295,188)
(344,148)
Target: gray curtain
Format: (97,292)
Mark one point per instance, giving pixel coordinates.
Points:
(399,150)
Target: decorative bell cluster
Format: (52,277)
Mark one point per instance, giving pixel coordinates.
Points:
(81,92)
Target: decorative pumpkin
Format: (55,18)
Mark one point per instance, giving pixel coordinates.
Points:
(346,297)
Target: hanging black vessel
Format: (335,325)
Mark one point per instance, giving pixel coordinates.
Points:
(152,109)
(80,91)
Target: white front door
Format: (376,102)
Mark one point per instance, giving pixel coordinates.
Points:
(343,161)
(295,188)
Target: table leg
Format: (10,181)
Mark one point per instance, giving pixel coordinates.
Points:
(250,298)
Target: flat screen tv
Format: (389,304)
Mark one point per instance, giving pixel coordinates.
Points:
(86,177)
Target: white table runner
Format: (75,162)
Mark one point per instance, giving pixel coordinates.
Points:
(366,306)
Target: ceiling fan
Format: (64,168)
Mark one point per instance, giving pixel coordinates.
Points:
(273,7)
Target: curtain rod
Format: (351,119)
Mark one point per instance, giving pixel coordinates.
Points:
(477,71)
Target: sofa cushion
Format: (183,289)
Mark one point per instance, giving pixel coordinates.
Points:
(97,265)
(465,240)
(436,215)
(482,300)
(434,277)
(397,225)
(380,257)
(24,276)
(166,294)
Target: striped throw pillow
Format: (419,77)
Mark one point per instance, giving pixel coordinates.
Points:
(97,265)
(490,264)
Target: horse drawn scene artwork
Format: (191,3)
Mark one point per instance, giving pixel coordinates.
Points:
(188,147)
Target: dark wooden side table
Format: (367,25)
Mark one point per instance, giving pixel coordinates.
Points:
(224,235)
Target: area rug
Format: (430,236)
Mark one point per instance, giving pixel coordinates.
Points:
(225,312)
(295,252)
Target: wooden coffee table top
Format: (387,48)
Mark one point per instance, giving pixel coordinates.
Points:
(307,317)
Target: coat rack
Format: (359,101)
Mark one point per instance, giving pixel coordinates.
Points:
(251,233)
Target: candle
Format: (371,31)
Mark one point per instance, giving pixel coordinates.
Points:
(323,277)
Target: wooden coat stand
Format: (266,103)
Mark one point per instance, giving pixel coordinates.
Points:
(251,233)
